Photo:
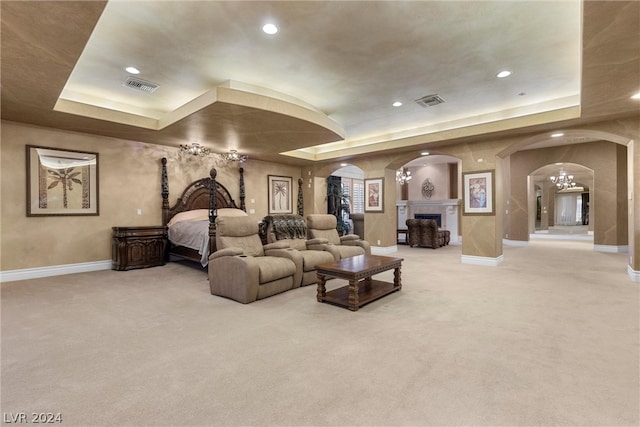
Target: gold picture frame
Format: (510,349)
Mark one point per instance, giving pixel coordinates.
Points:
(61,182)
(479,193)
(280,194)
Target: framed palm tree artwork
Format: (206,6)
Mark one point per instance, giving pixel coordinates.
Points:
(280,194)
(61,182)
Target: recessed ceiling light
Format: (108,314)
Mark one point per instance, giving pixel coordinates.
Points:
(397,104)
(557,135)
(270,29)
(132,70)
(503,74)
(636,96)
(424,153)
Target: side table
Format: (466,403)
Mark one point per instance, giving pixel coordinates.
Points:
(138,247)
(404,232)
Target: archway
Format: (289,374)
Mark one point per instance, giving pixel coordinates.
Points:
(432,192)
(559,202)
(615,228)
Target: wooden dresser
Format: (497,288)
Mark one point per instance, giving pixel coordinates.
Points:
(138,247)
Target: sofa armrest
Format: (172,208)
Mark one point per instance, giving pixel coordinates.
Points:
(232,251)
(349,237)
(329,247)
(276,245)
(362,243)
(317,241)
(235,277)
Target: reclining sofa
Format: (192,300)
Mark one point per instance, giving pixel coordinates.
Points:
(292,230)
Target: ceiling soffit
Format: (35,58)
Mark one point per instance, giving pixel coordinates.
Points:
(352,72)
(343,109)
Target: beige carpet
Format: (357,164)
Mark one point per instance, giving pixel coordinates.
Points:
(549,338)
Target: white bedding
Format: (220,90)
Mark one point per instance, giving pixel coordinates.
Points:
(191,230)
(192,235)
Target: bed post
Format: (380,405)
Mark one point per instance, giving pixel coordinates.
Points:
(242,205)
(165,192)
(213,210)
(300,199)
(213,195)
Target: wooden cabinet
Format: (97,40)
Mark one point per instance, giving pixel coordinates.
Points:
(138,247)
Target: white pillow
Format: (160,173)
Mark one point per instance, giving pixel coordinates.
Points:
(194,215)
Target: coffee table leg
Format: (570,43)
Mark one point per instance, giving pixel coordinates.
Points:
(353,295)
(396,278)
(367,281)
(322,290)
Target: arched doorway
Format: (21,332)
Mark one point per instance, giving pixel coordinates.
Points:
(610,157)
(429,187)
(560,202)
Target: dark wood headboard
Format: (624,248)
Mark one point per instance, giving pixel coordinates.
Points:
(198,194)
(205,193)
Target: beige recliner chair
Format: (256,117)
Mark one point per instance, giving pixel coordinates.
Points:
(292,230)
(323,226)
(243,269)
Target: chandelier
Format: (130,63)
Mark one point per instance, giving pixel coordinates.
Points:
(195,149)
(234,156)
(563,181)
(403,176)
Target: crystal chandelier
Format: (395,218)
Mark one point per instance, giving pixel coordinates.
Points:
(195,149)
(563,181)
(403,176)
(234,156)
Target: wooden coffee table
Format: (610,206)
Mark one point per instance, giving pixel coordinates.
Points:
(362,289)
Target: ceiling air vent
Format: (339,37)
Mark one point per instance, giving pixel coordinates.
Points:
(138,84)
(429,101)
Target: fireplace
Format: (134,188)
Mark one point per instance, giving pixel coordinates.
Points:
(443,212)
(436,217)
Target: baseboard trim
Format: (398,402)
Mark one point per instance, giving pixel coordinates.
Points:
(383,250)
(634,275)
(516,243)
(482,260)
(54,270)
(587,237)
(611,249)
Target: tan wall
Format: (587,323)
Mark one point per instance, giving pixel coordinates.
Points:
(129,179)
(439,176)
(609,210)
(482,234)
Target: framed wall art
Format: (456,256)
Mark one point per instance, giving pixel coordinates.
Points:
(374,195)
(478,189)
(280,194)
(61,182)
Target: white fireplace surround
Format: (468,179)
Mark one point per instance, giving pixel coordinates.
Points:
(447,208)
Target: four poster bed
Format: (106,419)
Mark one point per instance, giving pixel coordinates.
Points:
(191,221)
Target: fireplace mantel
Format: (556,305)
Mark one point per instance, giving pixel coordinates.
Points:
(443,202)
